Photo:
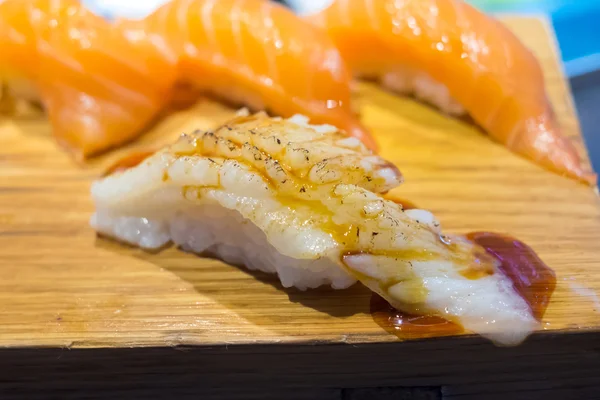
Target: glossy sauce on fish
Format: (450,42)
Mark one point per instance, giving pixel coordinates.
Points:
(404,325)
(533,280)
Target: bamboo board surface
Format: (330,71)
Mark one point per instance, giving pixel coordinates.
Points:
(62,286)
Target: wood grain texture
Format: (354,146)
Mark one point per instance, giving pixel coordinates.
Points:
(62,287)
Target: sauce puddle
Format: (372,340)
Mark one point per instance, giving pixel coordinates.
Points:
(408,326)
(532,279)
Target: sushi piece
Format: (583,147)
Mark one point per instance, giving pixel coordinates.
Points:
(305,202)
(457,58)
(98,89)
(254,53)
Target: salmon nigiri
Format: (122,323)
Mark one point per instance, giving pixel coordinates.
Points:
(449,54)
(99,90)
(254,52)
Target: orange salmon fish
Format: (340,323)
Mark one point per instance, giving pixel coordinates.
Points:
(454,56)
(98,89)
(253,52)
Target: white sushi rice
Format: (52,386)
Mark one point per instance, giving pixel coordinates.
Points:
(423,87)
(215,230)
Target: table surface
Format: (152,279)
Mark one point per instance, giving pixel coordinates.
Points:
(61,286)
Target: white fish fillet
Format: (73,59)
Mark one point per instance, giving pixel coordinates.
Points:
(282,197)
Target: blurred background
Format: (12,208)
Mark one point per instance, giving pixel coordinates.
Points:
(575,23)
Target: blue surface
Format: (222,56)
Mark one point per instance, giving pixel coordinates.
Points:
(578,33)
(576,22)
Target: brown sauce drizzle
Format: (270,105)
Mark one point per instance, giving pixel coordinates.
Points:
(533,280)
(129,161)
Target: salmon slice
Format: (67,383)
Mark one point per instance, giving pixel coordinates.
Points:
(456,57)
(256,53)
(99,90)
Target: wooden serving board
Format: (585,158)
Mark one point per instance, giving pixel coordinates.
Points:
(62,287)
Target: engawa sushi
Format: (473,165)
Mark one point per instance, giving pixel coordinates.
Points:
(306,202)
